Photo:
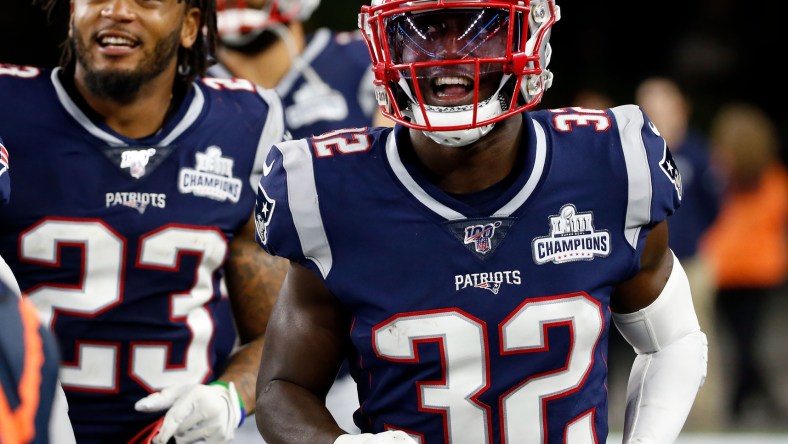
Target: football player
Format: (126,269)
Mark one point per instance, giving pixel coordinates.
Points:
(131,224)
(323,77)
(471,261)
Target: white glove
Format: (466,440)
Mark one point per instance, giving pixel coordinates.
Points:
(390,437)
(197,413)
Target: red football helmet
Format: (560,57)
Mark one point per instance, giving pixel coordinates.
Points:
(453,68)
(238,21)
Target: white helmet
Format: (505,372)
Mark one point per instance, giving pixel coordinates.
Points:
(238,22)
(490,56)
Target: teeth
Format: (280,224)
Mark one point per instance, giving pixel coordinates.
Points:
(440,81)
(116,41)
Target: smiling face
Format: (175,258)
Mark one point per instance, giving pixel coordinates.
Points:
(122,44)
(443,46)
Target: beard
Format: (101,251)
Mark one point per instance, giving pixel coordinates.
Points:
(123,85)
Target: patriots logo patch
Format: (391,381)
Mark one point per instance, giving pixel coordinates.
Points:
(3,159)
(264,211)
(5,180)
(495,287)
(668,166)
(490,281)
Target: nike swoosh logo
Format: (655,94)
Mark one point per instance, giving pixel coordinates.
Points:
(268,167)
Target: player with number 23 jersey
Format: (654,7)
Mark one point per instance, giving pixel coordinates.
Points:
(121,243)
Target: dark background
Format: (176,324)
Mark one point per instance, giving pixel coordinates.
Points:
(718,50)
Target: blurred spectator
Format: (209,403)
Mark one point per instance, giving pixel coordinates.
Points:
(748,247)
(670,110)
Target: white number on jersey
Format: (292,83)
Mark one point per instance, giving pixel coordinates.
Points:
(104,256)
(466,356)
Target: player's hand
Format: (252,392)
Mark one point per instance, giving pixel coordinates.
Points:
(390,437)
(197,413)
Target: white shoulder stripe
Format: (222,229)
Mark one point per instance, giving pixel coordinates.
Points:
(273,132)
(78,115)
(536,174)
(195,108)
(447,213)
(630,123)
(304,205)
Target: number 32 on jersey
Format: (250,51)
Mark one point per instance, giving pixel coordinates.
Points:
(466,357)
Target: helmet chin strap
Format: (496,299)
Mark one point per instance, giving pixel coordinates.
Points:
(457,115)
(449,115)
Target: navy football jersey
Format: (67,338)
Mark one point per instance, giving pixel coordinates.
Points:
(331,87)
(120,243)
(483,324)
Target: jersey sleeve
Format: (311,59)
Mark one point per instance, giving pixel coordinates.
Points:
(273,131)
(287,215)
(653,181)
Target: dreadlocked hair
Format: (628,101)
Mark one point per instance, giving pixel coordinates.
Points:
(192,62)
(196,60)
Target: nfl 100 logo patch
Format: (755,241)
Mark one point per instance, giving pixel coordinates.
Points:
(136,161)
(481,236)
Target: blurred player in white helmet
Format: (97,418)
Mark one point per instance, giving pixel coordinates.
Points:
(323,77)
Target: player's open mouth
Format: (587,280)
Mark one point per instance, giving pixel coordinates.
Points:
(452,87)
(452,90)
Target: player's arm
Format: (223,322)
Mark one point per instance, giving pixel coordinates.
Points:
(304,346)
(654,312)
(215,410)
(253,281)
